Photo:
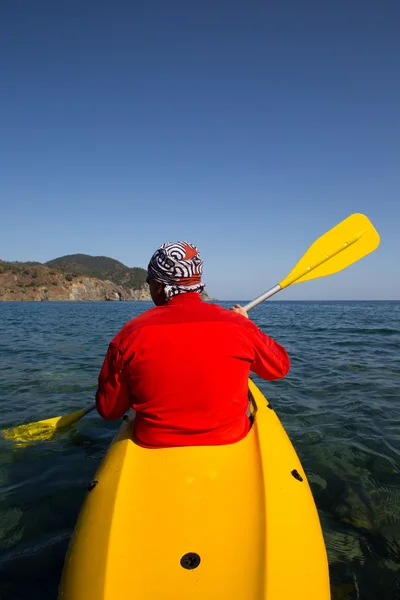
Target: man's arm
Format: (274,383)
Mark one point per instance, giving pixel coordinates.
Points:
(271,361)
(112,396)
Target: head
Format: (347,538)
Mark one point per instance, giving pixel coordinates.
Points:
(175,268)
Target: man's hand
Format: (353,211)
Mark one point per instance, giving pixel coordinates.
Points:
(239,309)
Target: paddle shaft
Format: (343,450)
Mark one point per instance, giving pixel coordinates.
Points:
(264,296)
(88,409)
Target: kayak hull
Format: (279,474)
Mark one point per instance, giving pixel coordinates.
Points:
(234,522)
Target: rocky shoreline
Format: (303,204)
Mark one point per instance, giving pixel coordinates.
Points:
(39,284)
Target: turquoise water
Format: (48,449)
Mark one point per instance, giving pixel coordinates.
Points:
(340,406)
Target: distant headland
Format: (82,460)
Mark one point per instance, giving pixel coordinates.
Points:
(75,277)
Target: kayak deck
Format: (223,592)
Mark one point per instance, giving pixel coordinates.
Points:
(233,522)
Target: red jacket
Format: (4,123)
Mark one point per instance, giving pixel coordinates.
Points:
(184,368)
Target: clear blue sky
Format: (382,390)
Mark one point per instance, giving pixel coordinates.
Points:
(247,128)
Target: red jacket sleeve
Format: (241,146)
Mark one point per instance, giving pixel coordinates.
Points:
(271,361)
(112,397)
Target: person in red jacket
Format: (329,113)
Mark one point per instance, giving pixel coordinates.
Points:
(183,366)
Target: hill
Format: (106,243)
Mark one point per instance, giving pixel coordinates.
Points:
(73,277)
(100,267)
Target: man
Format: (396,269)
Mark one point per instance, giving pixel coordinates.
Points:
(184,365)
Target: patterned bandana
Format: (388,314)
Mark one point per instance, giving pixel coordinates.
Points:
(178,265)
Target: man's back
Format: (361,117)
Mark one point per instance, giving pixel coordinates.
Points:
(184,368)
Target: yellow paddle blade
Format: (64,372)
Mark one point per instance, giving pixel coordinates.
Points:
(41,430)
(338,248)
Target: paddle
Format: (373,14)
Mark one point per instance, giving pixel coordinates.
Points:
(337,249)
(44,430)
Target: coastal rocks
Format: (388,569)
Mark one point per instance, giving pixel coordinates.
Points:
(44,284)
(140,294)
(41,284)
(89,289)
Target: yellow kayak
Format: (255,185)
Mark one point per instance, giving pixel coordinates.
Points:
(234,522)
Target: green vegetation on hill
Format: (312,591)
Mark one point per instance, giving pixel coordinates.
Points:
(101,267)
(17,266)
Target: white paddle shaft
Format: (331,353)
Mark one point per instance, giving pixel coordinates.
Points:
(263,297)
